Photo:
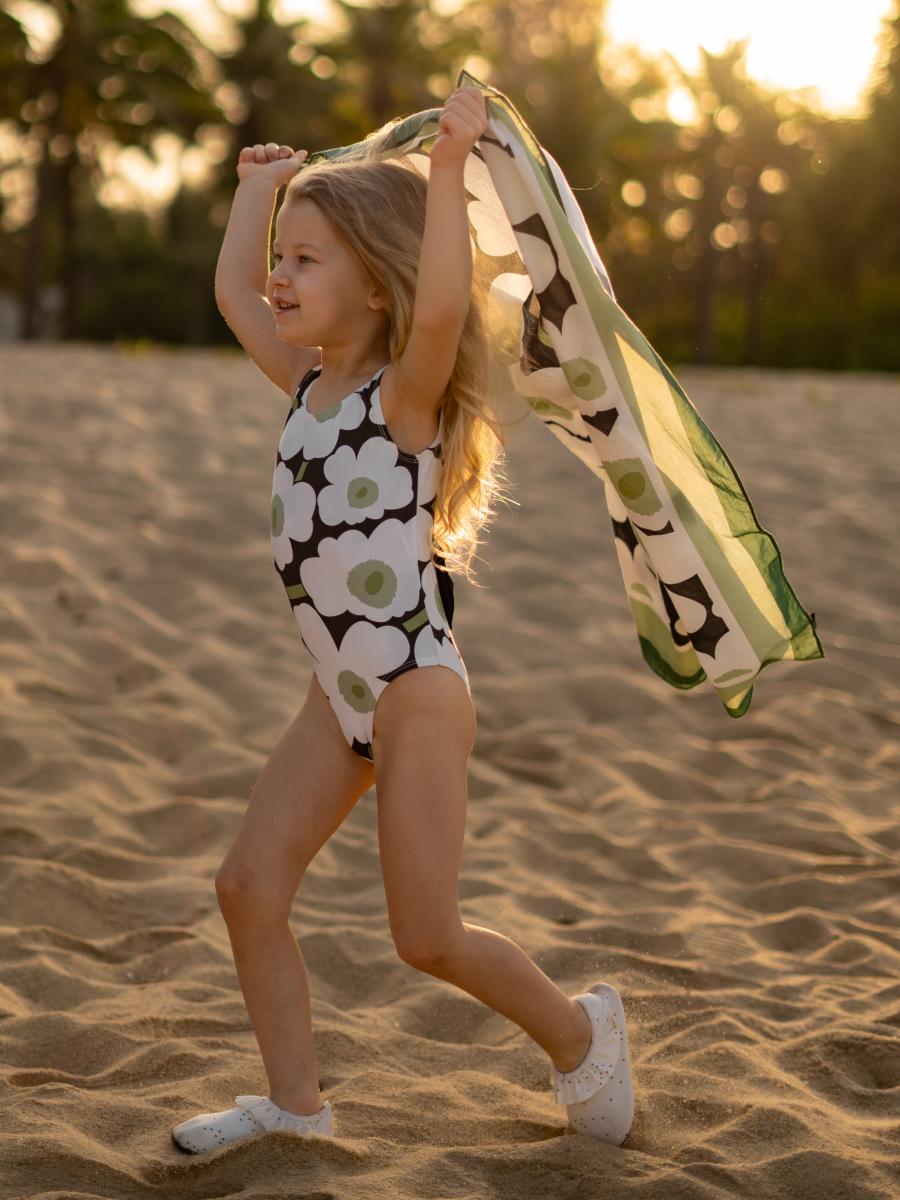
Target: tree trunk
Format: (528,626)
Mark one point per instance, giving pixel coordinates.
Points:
(708,266)
(709,262)
(35,247)
(753,293)
(753,280)
(66,245)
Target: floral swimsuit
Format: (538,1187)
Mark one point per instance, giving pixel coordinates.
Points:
(352,517)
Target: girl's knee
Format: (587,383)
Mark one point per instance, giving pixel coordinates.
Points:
(232,889)
(244,898)
(430,950)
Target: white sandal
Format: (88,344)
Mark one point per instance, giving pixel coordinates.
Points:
(254,1114)
(599,1094)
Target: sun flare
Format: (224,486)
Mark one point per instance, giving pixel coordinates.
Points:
(794,45)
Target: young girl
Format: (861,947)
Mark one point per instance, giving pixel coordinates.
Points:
(384,472)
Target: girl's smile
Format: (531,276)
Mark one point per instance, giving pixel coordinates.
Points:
(317,289)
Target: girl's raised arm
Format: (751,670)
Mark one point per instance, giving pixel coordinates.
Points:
(444,286)
(244,265)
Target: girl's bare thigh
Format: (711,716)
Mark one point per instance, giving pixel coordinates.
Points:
(424,729)
(310,783)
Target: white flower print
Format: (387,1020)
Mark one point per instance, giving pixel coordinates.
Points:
(350,675)
(372,577)
(292,510)
(435,651)
(508,293)
(478,179)
(316,434)
(540,261)
(376,416)
(434,605)
(492,227)
(364,485)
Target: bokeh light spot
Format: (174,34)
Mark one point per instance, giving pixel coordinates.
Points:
(633,193)
(678,224)
(724,236)
(729,118)
(774,181)
(322,66)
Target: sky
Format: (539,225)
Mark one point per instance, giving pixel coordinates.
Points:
(794,44)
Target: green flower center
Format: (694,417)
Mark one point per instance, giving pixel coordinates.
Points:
(277,516)
(585,378)
(328,415)
(373,582)
(362,493)
(632,485)
(629,476)
(356,692)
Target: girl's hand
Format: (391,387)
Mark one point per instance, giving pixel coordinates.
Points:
(278,163)
(462,122)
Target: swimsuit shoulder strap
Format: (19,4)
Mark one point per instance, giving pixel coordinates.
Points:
(367,394)
(306,383)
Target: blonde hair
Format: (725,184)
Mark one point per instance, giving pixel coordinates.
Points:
(378,209)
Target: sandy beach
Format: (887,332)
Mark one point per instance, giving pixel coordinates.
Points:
(736,880)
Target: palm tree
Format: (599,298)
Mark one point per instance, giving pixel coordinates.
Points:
(273,92)
(109,75)
(395,59)
(882,130)
(735,142)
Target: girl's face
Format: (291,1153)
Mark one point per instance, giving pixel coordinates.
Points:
(318,292)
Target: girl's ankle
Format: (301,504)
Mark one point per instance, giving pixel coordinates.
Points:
(573,1055)
(298,1104)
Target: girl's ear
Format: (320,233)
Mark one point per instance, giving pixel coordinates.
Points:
(377,302)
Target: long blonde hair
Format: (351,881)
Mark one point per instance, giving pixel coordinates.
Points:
(378,209)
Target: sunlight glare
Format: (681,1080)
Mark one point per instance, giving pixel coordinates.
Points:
(794,45)
(136,179)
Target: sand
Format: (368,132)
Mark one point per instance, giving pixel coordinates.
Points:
(736,880)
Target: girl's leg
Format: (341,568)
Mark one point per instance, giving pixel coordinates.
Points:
(424,727)
(308,786)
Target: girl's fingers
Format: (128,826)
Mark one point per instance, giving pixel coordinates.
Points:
(459,126)
(278,163)
(471,97)
(471,100)
(459,104)
(462,115)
